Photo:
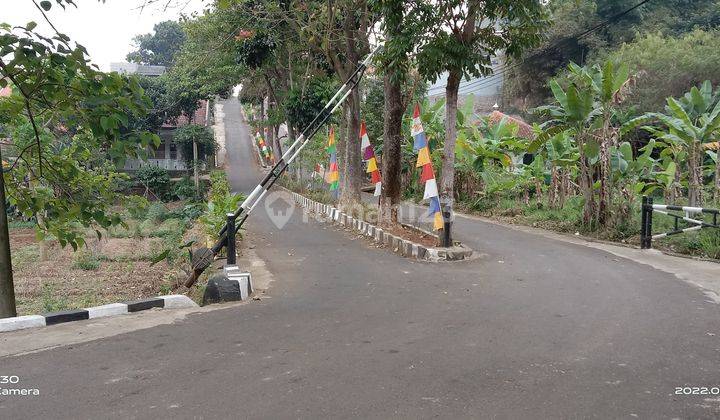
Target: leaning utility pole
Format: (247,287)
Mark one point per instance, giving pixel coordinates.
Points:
(203,257)
(7,289)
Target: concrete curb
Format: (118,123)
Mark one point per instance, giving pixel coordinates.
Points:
(398,245)
(112,309)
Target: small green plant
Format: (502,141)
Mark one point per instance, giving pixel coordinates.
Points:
(201,135)
(86,261)
(157,212)
(185,189)
(50,302)
(221,202)
(25,256)
(155,181)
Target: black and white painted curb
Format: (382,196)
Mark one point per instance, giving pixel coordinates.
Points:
(398,245)
(53,318)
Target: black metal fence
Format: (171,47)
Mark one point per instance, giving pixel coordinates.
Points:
(646,220)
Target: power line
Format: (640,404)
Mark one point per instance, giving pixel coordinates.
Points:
(487,81)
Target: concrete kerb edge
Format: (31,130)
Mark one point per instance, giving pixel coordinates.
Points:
(398,245)
(95,312)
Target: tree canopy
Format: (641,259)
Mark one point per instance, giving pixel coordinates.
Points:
(160,47)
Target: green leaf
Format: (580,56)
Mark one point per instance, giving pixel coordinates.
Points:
(626,151)
(163,255)
(592,150)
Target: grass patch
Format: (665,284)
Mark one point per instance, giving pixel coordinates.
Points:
(85,260)
(25,256)
(21,224)
(50,301)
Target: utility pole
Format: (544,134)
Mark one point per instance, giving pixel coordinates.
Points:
(7,288)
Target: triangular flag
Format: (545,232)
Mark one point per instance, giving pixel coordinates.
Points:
(419,141)
(364,140)
(434,206)
(438,221)
(430,189)
(427,173)
(378,189)
(368,153)
(423,157)
(372,165)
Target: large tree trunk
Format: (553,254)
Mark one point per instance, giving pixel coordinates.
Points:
(7,288)
(392,151)
(448,160)
(352,169)
(447,179)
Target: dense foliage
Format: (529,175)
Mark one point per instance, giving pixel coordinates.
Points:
(200,135)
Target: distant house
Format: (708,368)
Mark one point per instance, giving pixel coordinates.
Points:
(139,69)
(167,155)
(525,130)
(485,90)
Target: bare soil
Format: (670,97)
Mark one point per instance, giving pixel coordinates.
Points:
(412,235)
(105,271)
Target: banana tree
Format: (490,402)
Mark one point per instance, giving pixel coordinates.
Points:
(584,111)
(688,125)
(562,155)
(485,144)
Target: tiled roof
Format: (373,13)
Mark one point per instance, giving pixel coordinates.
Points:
(199,117)
(524,129)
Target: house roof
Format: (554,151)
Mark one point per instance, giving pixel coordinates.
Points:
(199,117)
(525,130)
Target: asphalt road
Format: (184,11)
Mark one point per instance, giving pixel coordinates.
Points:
(536,328)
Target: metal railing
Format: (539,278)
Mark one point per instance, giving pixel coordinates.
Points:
(646,220)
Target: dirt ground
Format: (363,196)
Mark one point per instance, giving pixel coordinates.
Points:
(49,278)
(412,235)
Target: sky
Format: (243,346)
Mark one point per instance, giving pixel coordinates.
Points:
(106,30)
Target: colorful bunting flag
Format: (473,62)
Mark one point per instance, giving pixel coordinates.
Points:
(427,175)
(368,153)
(333,176)
(264,150)
(419,139)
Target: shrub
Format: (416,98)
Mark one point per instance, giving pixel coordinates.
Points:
(157,212)
(86,261)
(137,207)
(221,202)
(184,137)
(188,212)
(155,180)
(184,189)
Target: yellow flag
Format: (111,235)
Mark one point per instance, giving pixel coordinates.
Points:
(372,165)
(423,157)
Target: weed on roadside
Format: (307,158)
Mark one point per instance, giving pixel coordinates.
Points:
(85,260)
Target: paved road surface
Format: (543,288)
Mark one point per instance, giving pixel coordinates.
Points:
(536,329)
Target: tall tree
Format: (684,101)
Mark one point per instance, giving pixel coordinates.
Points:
(468,34)
(403,25)
(160,47)
(70,125)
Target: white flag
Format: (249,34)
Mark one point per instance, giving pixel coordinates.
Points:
(378,189)
(430,189)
